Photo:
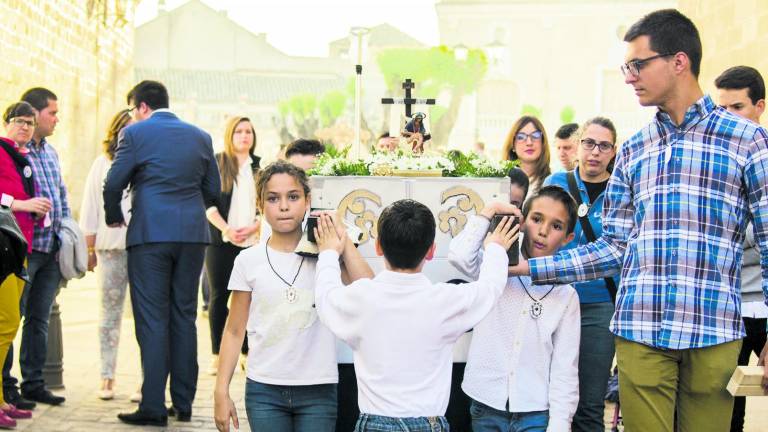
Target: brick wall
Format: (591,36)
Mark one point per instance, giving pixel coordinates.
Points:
(86,61)
(733,32)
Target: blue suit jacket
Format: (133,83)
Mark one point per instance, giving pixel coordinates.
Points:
(173,176)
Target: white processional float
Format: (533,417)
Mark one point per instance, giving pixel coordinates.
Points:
(387,178)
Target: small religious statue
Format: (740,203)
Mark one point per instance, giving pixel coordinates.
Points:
(416,134)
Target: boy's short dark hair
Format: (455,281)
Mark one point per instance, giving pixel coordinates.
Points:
(519,177)
(38,97)
(406,232)
(304,147)
(740,77)
(670,32)
(566,130)
(152,93)
(560,195)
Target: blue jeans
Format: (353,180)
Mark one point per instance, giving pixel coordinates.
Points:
(276,408)
(36,304)
(487,419)
(375,423)
(595,359)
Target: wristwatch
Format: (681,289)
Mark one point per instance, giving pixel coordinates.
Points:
(6,200)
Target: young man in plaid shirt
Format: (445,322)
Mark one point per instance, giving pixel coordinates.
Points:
(676,209)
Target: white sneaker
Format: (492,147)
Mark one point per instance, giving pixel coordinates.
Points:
(214,367)
(106,394)
(136,397)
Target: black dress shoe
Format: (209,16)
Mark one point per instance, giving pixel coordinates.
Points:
(45,396)
(180,415)
(140,418)
(15,399)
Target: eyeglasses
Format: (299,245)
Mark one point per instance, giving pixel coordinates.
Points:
(635,66)
(534,136)
(18,121)
(590,144)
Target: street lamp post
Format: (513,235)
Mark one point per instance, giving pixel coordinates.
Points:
(358,33)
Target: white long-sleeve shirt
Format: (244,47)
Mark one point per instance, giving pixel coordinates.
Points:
(92,209)
(402,327)
(518,363)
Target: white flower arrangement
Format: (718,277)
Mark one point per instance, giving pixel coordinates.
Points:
(454,164)
(489,168)
(408,162)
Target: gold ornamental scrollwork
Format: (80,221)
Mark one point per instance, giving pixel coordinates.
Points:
(355,202)
(455,217)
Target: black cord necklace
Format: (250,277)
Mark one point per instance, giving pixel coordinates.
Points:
(536,308)
(291,294)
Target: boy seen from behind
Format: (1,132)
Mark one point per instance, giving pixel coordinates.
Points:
(400,326)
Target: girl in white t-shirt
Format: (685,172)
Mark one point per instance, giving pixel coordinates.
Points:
(292,371)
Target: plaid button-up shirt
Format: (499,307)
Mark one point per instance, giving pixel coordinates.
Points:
(674,219)
(48,184)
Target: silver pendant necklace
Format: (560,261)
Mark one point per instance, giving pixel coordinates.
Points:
(537,308)
(291,293)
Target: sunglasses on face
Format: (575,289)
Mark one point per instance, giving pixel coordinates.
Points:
(602,146)
(534,136)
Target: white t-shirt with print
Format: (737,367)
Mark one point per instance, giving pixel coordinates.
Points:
(288,345)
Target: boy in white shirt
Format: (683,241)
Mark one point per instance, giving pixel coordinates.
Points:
(402,327)
(522,368)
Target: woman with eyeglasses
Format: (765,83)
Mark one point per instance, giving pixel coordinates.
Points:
(587,183)
(17,191)
(106,249)
(527,142)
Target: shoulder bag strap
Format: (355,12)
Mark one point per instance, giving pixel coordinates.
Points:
(586,227)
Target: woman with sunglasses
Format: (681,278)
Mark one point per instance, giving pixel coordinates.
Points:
(527,142)
(587,182)
(17,192)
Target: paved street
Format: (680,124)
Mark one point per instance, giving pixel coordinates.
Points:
(84,412)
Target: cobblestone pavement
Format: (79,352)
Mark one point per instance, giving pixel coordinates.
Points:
(84,412)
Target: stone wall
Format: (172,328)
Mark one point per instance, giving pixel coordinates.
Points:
(733,32)
(85,57)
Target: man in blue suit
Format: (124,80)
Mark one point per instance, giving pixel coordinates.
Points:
(172,172)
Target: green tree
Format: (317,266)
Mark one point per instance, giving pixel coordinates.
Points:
(434,70)
(567,114)
(303,114)
(531,110)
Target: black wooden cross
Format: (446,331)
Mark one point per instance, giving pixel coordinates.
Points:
(408,101)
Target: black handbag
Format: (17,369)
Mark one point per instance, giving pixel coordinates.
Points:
(13,246)
(586,227)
